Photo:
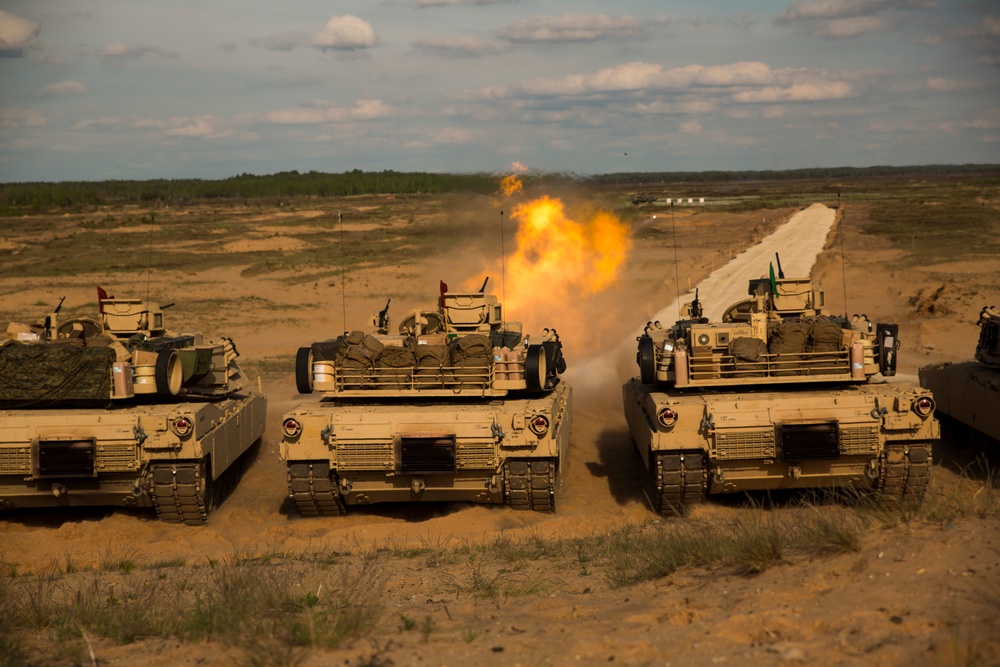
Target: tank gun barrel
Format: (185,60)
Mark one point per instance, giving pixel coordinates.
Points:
(781,274)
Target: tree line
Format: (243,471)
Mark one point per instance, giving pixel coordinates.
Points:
(18,197)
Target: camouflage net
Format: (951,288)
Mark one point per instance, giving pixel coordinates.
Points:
(51,373)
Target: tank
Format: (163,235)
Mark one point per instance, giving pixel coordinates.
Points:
(970,391)
(457,404)
(119,410)
(776,395)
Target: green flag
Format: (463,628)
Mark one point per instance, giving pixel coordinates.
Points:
(774,285)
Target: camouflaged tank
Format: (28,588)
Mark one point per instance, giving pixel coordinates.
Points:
(970,391)
(121,411)
(457,405)
(777,395)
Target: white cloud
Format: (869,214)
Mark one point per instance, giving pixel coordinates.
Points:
(16,34)
(21,118)
(470,46)
(847,19)
(126,51)
(832,9)
(200,127)
(941,84)
(690,127)
(988,120)
(571,28)
(346,33)
(797,92)
(850,27)
(989,26)
(324,112)
(66,88)
(741,73)
(660,107)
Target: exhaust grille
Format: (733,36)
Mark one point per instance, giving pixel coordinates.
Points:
(365,456)
(427,454)
(15,461)
(66,458)
(859,440)
(477,456)
(744,444)
(809,442)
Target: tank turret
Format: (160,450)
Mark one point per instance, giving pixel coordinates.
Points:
(457,404)
(780,334)
(127,352)
(463,347)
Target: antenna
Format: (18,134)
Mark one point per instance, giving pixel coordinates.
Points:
(677,279)
(843,266)
(343,269)
(503,277)
(149,261)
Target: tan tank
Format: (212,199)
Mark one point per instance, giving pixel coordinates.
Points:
(121,411)
(458,405)
(970,391)
(776,396)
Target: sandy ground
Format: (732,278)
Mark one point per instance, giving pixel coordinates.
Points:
(917,595)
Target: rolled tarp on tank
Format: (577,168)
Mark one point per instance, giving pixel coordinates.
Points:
(54,372)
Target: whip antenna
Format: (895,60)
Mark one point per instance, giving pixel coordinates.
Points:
(503,276)
(677,279)
(843,266)
(343,269)
(149,260)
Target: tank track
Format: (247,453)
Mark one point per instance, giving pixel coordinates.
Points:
(530,484)
(314,489)
(680,480)
(904,473)
(178,492)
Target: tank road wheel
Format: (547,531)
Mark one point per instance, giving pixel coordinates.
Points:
(313,487)
(169,373)
(679,482)
(646,358)
(530,484)
(904,472)
(536,368)
(178,491)
(304,370)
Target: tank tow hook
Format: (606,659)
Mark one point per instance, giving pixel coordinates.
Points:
(59,489)
(346,485)
(417,485)
(720,475)
(871,472)
(794,472)
(707,422)
(494,484)
(878,412)
(497,432)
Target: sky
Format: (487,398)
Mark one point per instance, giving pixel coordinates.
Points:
(139,89)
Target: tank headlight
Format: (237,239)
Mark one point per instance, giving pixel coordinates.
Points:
(703,339)
(291,427)
(666,417)
(181,426)
(668,346)
(539,424)
(923,406)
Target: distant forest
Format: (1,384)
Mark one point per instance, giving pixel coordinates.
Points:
(73,194)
